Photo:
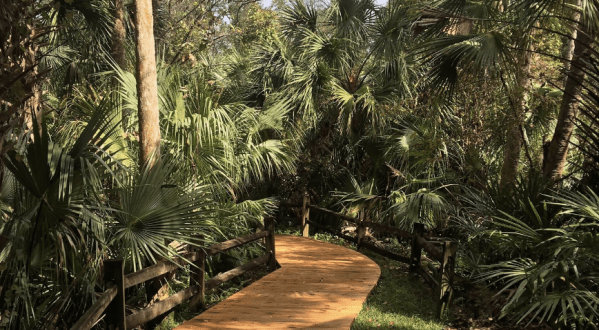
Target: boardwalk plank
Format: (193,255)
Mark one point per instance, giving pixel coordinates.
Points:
(319,286)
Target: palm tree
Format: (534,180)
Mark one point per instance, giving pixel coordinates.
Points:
(496,44)
(349,58)
(34,47)
(568,113)
(52,192)
(60,215)
(63,222)
(545,252)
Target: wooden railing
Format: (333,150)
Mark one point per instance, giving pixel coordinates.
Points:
(442,280)
(111,302)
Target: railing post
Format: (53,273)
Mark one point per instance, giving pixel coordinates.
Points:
(360,231)
(269,223)
(445,289)
(197,277)
(115,313)
(416,249)
(305,215)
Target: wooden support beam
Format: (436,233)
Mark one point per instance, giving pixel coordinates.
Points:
(165,266)
(89,319)
(306,216)
(385,253)
(115,313)
(427,277)
(445,289)
(430,249)
(416,253)
(160,268)
(270,243)
(360,231)
(226,276)
(196,278)
(233,243)
(159,308)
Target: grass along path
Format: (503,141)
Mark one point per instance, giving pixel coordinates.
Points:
(399,301)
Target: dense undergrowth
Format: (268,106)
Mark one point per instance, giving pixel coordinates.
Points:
(478,119)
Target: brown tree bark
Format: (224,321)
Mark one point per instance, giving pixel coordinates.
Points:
(147,85)
(514,134)
(569,51)
(558,148)
(20,76)
(119,34)
(147,109)
(511,154)
(32,106)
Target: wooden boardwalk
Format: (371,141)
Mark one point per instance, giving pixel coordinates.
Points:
(319,286)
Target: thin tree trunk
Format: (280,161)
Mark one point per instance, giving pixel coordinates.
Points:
(569,51)
(32,106)
(514,136)
(147,85)
(558,148)
(511,155)
(147,109)
(119,34)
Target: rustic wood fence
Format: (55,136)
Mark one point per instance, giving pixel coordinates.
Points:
(111,303)
(441,281)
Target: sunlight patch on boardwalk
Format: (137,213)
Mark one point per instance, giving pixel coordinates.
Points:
(319,285)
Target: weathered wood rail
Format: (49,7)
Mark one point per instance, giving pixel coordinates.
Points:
(111,303)
(319,286)
(441,281)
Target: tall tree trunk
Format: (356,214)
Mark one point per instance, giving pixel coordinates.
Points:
(32,106)
(514,134)
(147,85)
(119,34)
(20,98)
(570,43)
(147,110)
(568,112)
(511,154)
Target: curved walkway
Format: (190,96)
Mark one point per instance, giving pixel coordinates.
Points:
(319,285)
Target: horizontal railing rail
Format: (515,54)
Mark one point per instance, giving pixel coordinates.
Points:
(89,319)
(235,243)
(111,302)
(441,282)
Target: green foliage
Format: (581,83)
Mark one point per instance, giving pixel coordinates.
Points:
(73,195)
(397,302)
(544,253)
(346,100)
(253,24)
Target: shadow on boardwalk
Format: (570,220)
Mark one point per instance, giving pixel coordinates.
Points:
(319,286)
